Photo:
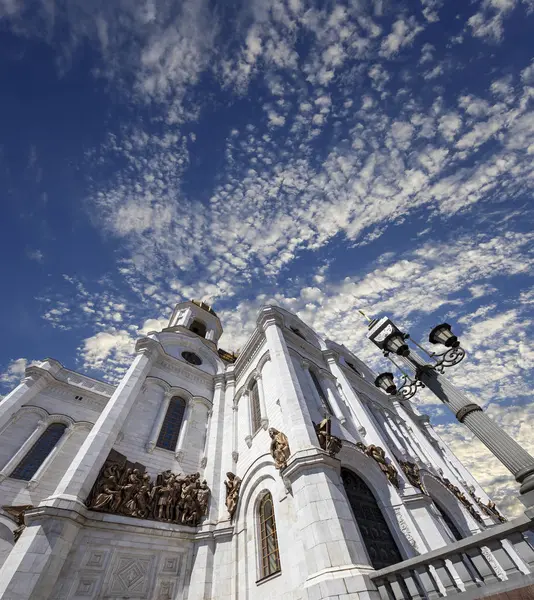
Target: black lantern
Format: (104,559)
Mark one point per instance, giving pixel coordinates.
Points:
(386,382)
(395,343)
(442,334)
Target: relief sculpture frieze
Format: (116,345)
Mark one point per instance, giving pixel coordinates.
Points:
(124,488)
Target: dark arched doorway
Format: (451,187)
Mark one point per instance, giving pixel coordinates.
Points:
(376,535)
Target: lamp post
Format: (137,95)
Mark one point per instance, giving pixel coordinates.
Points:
(423,373)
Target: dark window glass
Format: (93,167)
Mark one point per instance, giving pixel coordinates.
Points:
(376,535)
(350,365)
(192,358)
(255,407)
(198,328)
(297,332)
(454,530)
(270,556)
(30,464)
(320,391)
(168,435)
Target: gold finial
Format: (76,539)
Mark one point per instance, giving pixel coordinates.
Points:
(364,315)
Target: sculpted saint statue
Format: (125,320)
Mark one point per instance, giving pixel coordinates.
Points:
(279,448)
(378,454)
(331,443)
(233,484)
(109,496)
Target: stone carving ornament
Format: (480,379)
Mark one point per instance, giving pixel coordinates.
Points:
(279,448)
(489,509)
(378,454)
(328,442)
(233,485)
(124,488)
(463,499)
(17,512)
(411,470)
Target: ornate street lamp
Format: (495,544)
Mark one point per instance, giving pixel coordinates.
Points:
(423,373)
(386,382)
(442,334)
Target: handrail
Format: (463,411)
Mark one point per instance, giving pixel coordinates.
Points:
(520,524)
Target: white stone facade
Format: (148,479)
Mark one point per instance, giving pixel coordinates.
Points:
(68,552)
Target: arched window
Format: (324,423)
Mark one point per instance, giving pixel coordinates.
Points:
(450,524)
(168,435)
(320,391)
(269,554)
(37,454)
(376,535)
(199,328)
(255,410)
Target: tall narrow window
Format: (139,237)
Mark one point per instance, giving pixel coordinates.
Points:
(270,557)
(37,454)
(255,410)
(199,328)
(168,435)
(320,391)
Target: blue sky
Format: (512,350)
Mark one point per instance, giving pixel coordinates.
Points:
(325,156)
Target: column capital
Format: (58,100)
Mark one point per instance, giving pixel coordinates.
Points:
(305,364)
(147,346)
(331,355)
(219,380)
(267,317)
(34,374)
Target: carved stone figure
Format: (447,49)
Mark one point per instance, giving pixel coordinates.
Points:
(411,470)
(328,442)
(279,448)
(492,509)
(124,488)
(378,454)
(233,485)
(203,497)
(463,499)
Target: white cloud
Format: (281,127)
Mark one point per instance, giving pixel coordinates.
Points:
(403,33)
(14,372)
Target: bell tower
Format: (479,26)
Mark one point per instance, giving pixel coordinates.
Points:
(198,317)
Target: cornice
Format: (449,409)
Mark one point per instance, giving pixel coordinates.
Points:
(183,369)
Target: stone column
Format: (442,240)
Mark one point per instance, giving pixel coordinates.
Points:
(244,414)
(514,457)
(213,455)
(332,398)
(78,480)
(263,406)
(182,436)
(309,381)
(154,434)
(36,379)
(301,432)
(226,448)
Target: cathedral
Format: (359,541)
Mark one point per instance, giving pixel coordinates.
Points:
(282,472)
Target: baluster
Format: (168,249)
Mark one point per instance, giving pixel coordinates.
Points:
(507,566)
(430,581)
(447,581)
(482,565)
(413,586)
(518,562)
(465,570)
(523,548)
(397,589)
(384,589)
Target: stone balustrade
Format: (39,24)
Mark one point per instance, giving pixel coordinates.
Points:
(488,564)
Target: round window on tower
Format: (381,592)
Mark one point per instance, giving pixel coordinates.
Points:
(192,358)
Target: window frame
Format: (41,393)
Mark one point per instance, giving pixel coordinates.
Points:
(202,324)
(174,436)
(320,391)
(263,553)
(255,408)
(39,440)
